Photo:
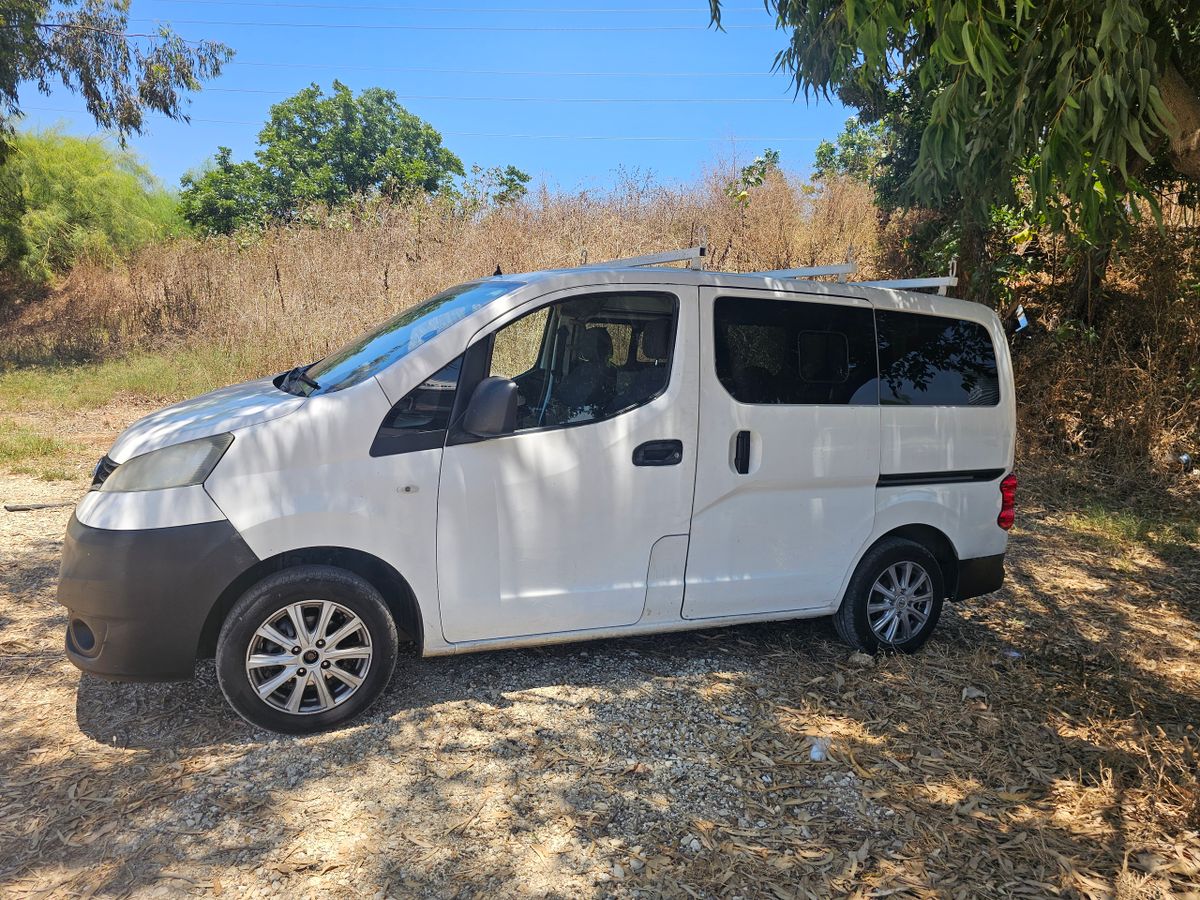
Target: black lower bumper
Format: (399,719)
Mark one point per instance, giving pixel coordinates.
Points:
(138,600)
(979,576)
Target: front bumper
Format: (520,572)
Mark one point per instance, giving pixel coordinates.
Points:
(138,599)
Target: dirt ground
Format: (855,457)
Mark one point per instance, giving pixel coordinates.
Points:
(1043,744)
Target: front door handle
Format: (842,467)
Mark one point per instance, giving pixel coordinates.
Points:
(658,453)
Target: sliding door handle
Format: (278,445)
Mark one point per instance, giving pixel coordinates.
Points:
(741,453)
(658,453)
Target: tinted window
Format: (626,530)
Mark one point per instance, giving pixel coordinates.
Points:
(587,358)
(935,361)
(786,351)
(401,334)
(420,420)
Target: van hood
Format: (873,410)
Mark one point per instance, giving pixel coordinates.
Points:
(216,412)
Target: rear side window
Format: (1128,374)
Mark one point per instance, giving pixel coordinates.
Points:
(935,361)
(795,352)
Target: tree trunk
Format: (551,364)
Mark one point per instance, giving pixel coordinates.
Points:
(974,270)
(1089,277)
(1183,103)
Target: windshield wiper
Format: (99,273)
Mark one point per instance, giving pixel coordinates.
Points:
(298,374)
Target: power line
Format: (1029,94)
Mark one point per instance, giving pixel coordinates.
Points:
(389,26)
(537,137)
(448,71)
(465,9)
(447,97)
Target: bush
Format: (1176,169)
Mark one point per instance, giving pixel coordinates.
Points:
(65,199)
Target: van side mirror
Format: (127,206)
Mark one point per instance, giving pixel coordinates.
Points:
(492,411)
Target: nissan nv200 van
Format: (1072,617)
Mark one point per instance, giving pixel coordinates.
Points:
(548,457)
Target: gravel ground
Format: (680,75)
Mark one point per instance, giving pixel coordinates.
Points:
(1043,744)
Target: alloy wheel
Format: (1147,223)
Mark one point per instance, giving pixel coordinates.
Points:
(900,602)
(308,657)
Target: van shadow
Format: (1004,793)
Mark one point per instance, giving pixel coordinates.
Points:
(193,714)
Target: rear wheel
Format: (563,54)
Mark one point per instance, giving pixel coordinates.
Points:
(894,600)
(306,649)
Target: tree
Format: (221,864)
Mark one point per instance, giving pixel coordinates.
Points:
(493,187)
(1074,97)
(224,196)
(322,149)
(85,45)
(69,198)
(856,155)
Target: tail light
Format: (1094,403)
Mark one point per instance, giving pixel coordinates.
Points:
(1008,502)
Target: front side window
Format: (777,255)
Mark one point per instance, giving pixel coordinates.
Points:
(419,421)
(403,333)
(587,358)
(794,352)
(935,361)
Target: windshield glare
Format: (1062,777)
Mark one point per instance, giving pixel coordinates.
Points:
(403,333)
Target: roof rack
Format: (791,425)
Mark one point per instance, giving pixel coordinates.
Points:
(842,270)
(904,284)
(693,256)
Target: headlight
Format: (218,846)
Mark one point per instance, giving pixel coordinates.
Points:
(175,466)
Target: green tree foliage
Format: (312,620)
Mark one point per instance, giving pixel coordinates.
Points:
(752,175)
(492,187)
(65,198)
(321,149)
(857,153)
(85,46)
(1076,97)
(225,196)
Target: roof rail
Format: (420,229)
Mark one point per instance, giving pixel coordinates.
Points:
(693,256)
(841,270)
(904,284)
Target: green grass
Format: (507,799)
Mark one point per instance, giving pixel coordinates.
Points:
(25,451)
(1161,531)
(160,377)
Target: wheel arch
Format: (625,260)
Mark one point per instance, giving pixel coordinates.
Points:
(395,589)
(932,539)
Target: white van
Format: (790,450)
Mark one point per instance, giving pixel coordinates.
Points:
(555,456)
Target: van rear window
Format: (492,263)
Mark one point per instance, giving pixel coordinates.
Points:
(795,352)
(935,361)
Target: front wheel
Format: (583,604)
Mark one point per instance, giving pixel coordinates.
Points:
(894,599)
(306,649)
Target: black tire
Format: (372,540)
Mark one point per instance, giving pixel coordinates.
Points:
(853,621)
(317,589)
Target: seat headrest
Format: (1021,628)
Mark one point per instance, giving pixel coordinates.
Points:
(595,345)
(656,339)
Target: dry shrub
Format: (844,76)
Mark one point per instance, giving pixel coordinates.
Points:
(1120,398)
(298,291)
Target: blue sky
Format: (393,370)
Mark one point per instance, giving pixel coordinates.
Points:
(492,76)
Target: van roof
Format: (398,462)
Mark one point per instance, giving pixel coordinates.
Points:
(880,297)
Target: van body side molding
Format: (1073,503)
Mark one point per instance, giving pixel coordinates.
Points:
(961,476)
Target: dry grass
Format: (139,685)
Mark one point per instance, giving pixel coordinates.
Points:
(301,291)
(1043,744)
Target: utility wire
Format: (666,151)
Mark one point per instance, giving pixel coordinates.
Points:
(447,71)
(682,10)
(388,26)
(496,134)
(446,97)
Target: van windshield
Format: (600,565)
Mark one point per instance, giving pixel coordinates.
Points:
(404,332)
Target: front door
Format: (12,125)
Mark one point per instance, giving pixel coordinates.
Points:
(550,529)
(789,451)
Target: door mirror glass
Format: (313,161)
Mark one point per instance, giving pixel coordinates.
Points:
(492,411)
